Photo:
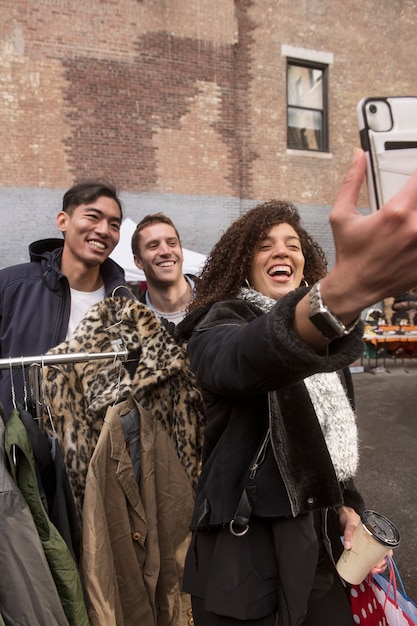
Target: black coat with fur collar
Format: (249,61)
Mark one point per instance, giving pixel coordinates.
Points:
(251,367)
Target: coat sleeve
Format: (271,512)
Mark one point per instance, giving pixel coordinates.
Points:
(235,349)
(352,497)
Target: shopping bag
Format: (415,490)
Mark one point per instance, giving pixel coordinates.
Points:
(399,609)
(366,609)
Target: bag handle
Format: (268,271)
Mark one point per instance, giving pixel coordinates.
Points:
(394,578)
(392,564)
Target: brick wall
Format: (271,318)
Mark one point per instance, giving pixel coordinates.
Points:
(183,104)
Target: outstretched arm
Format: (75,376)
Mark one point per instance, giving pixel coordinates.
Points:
(376,254)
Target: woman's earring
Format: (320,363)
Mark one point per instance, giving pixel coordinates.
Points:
(304,283)
(247,283)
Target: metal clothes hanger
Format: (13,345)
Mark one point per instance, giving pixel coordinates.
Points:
(35,388)
(13,392)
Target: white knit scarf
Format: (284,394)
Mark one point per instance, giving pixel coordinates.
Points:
(332,407)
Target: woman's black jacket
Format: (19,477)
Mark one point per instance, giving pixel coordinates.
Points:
(250,366)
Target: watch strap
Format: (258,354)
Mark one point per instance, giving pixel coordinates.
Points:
(324,320)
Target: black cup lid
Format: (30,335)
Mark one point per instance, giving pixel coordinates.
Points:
(381,528)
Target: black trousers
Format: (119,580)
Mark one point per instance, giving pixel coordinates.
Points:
(278,574)
(331,609)
(326,607)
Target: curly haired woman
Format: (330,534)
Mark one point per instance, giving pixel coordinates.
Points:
(280,451)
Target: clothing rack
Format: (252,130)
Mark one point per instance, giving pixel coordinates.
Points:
(57,359)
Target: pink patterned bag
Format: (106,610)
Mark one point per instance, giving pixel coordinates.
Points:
(366,608)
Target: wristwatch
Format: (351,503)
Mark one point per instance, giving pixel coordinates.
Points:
(324,320)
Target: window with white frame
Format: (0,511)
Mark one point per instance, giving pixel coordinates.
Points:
(307,108)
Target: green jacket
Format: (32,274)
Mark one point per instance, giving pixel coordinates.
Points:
(61,563)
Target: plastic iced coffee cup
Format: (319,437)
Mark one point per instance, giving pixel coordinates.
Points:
(372,540)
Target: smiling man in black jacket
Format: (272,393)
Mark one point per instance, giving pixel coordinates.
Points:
(42,302)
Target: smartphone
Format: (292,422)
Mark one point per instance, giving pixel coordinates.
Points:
(388,135)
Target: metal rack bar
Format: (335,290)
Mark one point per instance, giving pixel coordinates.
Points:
(57,359)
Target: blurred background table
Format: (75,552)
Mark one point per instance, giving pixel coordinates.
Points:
(393,342)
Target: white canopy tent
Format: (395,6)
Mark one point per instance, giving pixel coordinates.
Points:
(122,254)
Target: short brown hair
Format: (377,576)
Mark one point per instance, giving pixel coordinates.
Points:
(152,218)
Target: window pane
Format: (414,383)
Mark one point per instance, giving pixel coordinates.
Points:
(305,129)
(305,86)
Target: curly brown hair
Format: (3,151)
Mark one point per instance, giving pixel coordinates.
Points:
(228,264)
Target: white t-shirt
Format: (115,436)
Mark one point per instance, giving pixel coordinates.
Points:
(81,301)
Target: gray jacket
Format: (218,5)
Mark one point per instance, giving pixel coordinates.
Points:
(28,595)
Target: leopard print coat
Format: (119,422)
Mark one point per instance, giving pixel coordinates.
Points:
(160,380)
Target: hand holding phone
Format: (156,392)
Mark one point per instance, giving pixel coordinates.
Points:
(388,134)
